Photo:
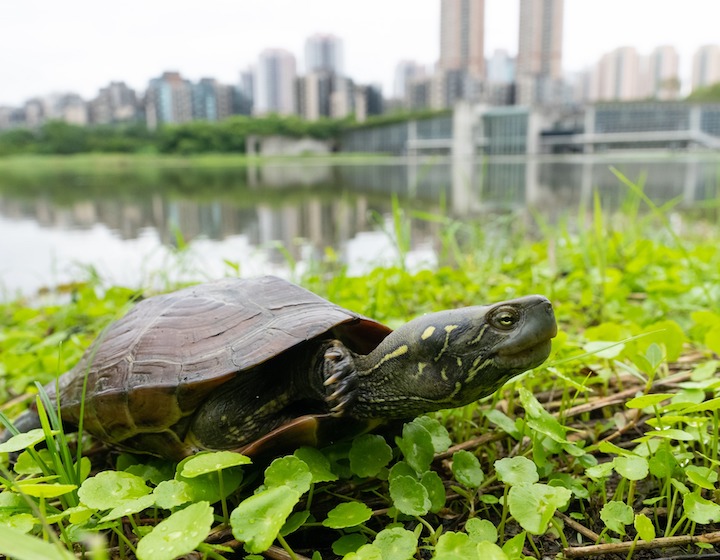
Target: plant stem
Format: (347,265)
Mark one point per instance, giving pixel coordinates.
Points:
(286,546)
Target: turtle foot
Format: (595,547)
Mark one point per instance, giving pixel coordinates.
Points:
(340,378)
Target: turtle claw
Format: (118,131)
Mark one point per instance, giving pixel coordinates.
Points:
(340,378)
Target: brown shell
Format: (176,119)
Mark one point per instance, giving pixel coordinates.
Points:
(159,362)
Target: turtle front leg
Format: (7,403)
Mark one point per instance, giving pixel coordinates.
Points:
(340,378)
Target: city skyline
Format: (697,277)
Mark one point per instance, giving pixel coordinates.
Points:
(59,58)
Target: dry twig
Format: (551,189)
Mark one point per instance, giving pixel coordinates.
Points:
(625,547)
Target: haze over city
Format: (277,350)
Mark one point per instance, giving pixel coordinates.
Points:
(71,46)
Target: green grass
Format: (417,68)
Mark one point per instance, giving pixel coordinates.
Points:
(613,442)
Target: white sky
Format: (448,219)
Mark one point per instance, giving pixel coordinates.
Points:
(81,45)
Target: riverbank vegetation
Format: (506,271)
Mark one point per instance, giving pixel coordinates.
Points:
(196,137)
(610,447)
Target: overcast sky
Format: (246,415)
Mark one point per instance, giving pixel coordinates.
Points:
(81,45)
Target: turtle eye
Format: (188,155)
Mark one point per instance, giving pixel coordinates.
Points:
(505,318)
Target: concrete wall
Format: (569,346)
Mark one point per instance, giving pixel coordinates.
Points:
(285,146)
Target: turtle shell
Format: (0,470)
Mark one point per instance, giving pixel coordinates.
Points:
(154,366)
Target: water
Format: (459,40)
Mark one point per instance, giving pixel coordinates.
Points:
(129,225)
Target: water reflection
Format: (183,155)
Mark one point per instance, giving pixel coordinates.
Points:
(262,217)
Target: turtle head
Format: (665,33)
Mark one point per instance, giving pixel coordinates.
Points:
(451,358)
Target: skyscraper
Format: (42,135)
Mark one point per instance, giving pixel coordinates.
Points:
(324,53)
(275,83)
(168,100)
(461,68)
(313,95)
(539,59)
(617,76)
(663,74)
(462,36)
(405,72)
(706,66)
(113,104)
(212,101)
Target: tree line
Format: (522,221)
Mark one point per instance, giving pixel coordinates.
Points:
(196,137)
(229,135)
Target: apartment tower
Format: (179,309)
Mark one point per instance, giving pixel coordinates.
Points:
(663,73)
(275,83)
(616,76)
(462,36)
(324,53)
(706,66)
(461,67)
(539,59)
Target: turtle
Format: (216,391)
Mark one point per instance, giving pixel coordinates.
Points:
(262,364)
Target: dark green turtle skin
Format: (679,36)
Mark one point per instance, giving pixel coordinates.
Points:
(262,364)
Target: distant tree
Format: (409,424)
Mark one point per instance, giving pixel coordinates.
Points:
(706,94)
(59,137)
(195,137)
(17,141)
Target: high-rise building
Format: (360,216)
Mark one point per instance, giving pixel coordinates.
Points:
(313,93)
(462,36)
(539,59)
(461,68)
(115,103)
(500,78)
(342,98)
(68,107)
(706,66)
(418,93)
(323,53)
(405,72)
(501,68)
(35,112)
(617,76)
(168,100)
(275,83)
(663,74)
(368,101)
(212,101)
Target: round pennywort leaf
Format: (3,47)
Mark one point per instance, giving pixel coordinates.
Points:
(318,464)
(109,489)
(289,471)
(348,514)
(440,438)
(416,446)
(644,527)
(369,453)
(533,505)
(466,469)
(481,530)
(616,515)
(258,519)
(409,496)
(516,470)
(700,510)
(177,535)
(396,543)
(212,462)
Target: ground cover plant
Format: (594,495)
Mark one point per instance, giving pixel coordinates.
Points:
(610,447)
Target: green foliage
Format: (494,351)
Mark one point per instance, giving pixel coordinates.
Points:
(195,137)
(618,431)
(466,469)
(707,94)
(179,534)
(348,514)
(369,454)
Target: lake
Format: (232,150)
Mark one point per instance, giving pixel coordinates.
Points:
(137,226)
